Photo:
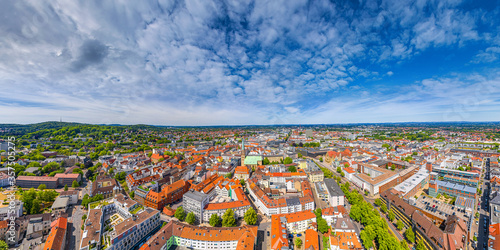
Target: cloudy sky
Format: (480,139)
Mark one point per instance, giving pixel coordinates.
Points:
(202,62)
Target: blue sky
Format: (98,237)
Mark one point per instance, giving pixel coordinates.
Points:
(201,62)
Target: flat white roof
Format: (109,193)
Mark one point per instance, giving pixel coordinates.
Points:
(412,182)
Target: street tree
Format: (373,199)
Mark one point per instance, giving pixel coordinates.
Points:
(228,218)
(214,220)
(420,245)
(250,216)
(298,242)
(400,225)
(180,213)
(3,245)
(383,208)
(410,235)
(391,216)
(190,218)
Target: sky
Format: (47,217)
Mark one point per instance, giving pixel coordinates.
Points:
(202,62)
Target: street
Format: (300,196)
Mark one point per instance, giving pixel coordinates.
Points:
(484,219)
(392,228)
(74,227)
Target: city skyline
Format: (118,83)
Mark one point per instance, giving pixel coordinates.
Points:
(183,63)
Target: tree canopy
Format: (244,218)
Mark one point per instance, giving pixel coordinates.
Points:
(180,213)
(190,218)
(228,218)
(410,235)
(250,216)
(214,220)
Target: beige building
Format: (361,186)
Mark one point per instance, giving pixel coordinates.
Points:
(316,176)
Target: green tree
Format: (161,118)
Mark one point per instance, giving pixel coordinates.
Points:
(75,184)
(42,186)
(66,187)
(190,218)
(228,218)
(420,245)
(229,175)
(383,208)
(298,242)
(410,235)
(378,202)
(292,169)
(391,216)
(318,212)
(321,159)
(299,155)
(400,225)
(214,220)
(120,176)
(287,160)
(180,213)
(339,170)
(35,208)
(250,216)
(404,245)
(34,164)
(322,225)
(242,182)
(27,197)
(77,171)
(132,194)
(266,161)
(3,245)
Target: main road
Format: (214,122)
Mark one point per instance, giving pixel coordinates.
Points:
(392,228)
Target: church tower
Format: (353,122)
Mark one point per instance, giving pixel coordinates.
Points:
(243,152)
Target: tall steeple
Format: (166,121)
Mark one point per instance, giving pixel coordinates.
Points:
(243,153)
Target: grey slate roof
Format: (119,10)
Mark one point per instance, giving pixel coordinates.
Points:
(333,187)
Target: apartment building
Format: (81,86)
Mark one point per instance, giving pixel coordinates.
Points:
(56,240)
(194,201)
(35,181)
(201,238)
(67,179)
(91,238)
(132,230)
(270,206)
(296,222)
(453,189)
(104,185)
(239,206)
(335,194)
(169,194)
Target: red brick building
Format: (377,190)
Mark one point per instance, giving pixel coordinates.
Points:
(169,194)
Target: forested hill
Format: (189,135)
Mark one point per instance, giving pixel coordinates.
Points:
(53,128)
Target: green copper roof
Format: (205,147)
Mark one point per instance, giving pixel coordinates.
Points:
(252,159)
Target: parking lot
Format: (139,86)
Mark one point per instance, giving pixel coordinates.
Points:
(440,209)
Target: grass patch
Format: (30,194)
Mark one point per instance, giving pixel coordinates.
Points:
(137,209)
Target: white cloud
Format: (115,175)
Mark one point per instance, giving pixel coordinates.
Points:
(167,61)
